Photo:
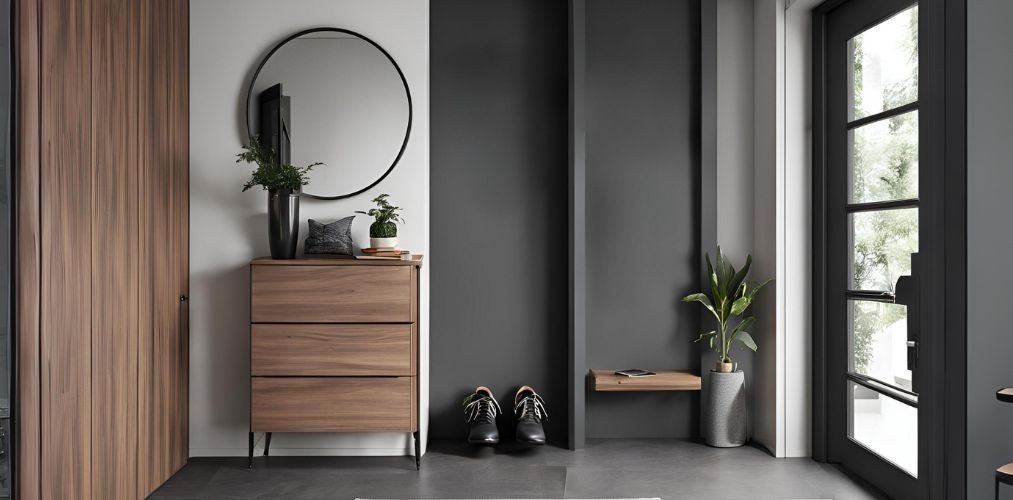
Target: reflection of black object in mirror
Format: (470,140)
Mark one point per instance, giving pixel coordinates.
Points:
(355,122)
(275,118)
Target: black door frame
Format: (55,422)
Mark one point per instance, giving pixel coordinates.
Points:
(943,48)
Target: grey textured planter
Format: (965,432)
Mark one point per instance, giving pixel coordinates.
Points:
(724,418)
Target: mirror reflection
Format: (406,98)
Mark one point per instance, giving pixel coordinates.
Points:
(332,97)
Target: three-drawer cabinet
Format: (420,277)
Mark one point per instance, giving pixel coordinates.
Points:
(334,347)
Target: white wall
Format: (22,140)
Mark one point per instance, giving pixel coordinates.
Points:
(768,227)
(727,130)
(735,127)
(797,221)
(763,201)
(228,228)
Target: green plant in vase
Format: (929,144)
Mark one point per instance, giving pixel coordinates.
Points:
(730,296)
(271,174)
(283,182)
(383,230)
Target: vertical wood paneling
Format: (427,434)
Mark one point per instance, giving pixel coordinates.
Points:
(180,116)
(114,217)
(145,320)
(27,240)
(66,249)
(102,246)
(163,416)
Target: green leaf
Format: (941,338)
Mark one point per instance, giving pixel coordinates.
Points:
(701,298)
(713,277)
(705,335)
(756,288)
(741,275)
(743,325)
(741,304)
(725,272)
(747,340)
(716,290)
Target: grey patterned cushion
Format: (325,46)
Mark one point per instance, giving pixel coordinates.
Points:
(332,238)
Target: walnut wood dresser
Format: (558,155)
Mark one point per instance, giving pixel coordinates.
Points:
(334,346)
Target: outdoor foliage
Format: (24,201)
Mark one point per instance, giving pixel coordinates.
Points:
(884,167)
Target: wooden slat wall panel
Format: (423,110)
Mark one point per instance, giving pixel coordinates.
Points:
(145,312)
(164,186)
(28,249)
(114,253)
(66,248)
(153,107)
(102,246)
(179,17)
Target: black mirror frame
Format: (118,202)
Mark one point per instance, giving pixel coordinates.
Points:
(404,81)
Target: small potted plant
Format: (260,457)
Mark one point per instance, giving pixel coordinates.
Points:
(383,230)
(283,183)
(724,399)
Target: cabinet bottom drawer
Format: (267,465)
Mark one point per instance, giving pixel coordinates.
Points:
(332,404)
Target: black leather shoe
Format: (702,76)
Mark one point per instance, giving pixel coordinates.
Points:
(529,411)
(480,410)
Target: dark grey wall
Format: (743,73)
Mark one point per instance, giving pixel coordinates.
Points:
(498,205)
(990,241)
(643,147)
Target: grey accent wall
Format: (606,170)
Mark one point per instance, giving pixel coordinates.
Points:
(990,241)
(643,185)
(498,211)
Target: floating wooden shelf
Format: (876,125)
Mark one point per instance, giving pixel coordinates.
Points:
(1005,395)
(1004,474)
(665,380)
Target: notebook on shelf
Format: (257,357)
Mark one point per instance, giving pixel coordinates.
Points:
(635,372)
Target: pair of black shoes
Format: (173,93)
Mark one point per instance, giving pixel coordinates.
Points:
(481,410)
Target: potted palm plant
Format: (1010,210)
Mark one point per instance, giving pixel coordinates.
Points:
(729,298)
(283,183)
(383,230)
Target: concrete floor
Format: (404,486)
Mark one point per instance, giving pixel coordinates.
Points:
(669,469)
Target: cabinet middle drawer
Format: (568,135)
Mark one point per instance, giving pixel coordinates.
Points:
(331,350)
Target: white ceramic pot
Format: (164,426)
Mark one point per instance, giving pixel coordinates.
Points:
(383,242)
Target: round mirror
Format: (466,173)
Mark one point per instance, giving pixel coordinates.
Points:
(334,96)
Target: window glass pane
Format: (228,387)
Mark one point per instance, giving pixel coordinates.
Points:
(886,426)
(881,246)
(884,159)
(879,341)
(883,65)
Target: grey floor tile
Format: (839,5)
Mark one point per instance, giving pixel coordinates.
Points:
(669,469)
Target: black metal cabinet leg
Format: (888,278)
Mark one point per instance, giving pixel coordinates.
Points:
(418,450)
(249,465)
(267,445)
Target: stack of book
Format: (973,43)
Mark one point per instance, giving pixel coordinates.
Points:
(385,253)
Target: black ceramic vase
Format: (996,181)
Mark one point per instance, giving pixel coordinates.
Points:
(283,223)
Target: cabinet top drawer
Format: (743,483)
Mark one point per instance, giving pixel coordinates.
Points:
(331,294)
